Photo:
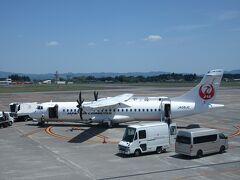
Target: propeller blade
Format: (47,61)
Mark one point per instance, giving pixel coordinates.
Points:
(95,95)
(79,106)
(81,114)
(80,96)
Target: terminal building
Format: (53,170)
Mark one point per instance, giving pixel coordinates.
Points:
(5,81)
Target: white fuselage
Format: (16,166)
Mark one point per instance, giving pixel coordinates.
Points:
(141,109)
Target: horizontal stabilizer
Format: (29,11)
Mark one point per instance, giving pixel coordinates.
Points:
(211,106)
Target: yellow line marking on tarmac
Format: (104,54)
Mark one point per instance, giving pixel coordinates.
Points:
(50,132)
(236,133)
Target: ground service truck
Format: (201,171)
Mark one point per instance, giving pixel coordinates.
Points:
(149,137)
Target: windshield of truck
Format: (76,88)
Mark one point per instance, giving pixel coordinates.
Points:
(129,134)
(183,139)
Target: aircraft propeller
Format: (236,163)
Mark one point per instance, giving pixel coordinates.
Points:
(95,95)
(79,106)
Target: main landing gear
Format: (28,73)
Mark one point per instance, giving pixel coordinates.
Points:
(41,122)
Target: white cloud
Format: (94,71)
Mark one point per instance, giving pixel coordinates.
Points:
(52,43)
(190,27)
(106,40)
(229,15)
(91,44)
(153,38)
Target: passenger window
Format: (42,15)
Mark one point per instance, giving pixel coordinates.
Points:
(122,110)
(139,110)
(203,139)
(126,110)
(131,110)
(147,110)
(63,110)
(143,110)
(183,139)
(67,110)
(135,110)
(142,134)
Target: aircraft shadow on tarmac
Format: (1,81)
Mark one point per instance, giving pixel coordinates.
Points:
(92,130)
(88,134)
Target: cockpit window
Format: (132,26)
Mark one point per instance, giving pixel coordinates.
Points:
(39,107)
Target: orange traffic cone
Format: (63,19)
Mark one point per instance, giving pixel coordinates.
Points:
(104,140)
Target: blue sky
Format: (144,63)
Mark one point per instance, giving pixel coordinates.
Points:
(41,36)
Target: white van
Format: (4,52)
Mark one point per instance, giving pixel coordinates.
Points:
(200,141)
(148,137)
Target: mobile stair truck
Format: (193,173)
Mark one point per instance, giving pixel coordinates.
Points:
(149,137)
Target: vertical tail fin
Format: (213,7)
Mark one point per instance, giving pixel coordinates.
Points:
(205,92)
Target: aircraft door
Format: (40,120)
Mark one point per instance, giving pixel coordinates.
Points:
(53,112)
(167,113)
(166,110)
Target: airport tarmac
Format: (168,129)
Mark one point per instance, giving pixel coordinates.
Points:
(78,151)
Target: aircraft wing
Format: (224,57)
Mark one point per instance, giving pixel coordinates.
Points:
(109,101)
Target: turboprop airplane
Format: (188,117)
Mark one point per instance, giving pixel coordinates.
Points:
(126,107)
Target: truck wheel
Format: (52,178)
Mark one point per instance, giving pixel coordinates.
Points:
(159,150)
(137,153)
(10,123)
(199,154)
(222,149)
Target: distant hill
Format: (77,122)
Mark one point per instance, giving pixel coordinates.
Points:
(232,72)
(70,75)
(97,75)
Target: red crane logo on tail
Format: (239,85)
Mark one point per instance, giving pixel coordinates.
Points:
(206,91)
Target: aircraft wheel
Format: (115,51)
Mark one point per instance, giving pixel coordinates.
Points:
(41,123)
(110,124)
